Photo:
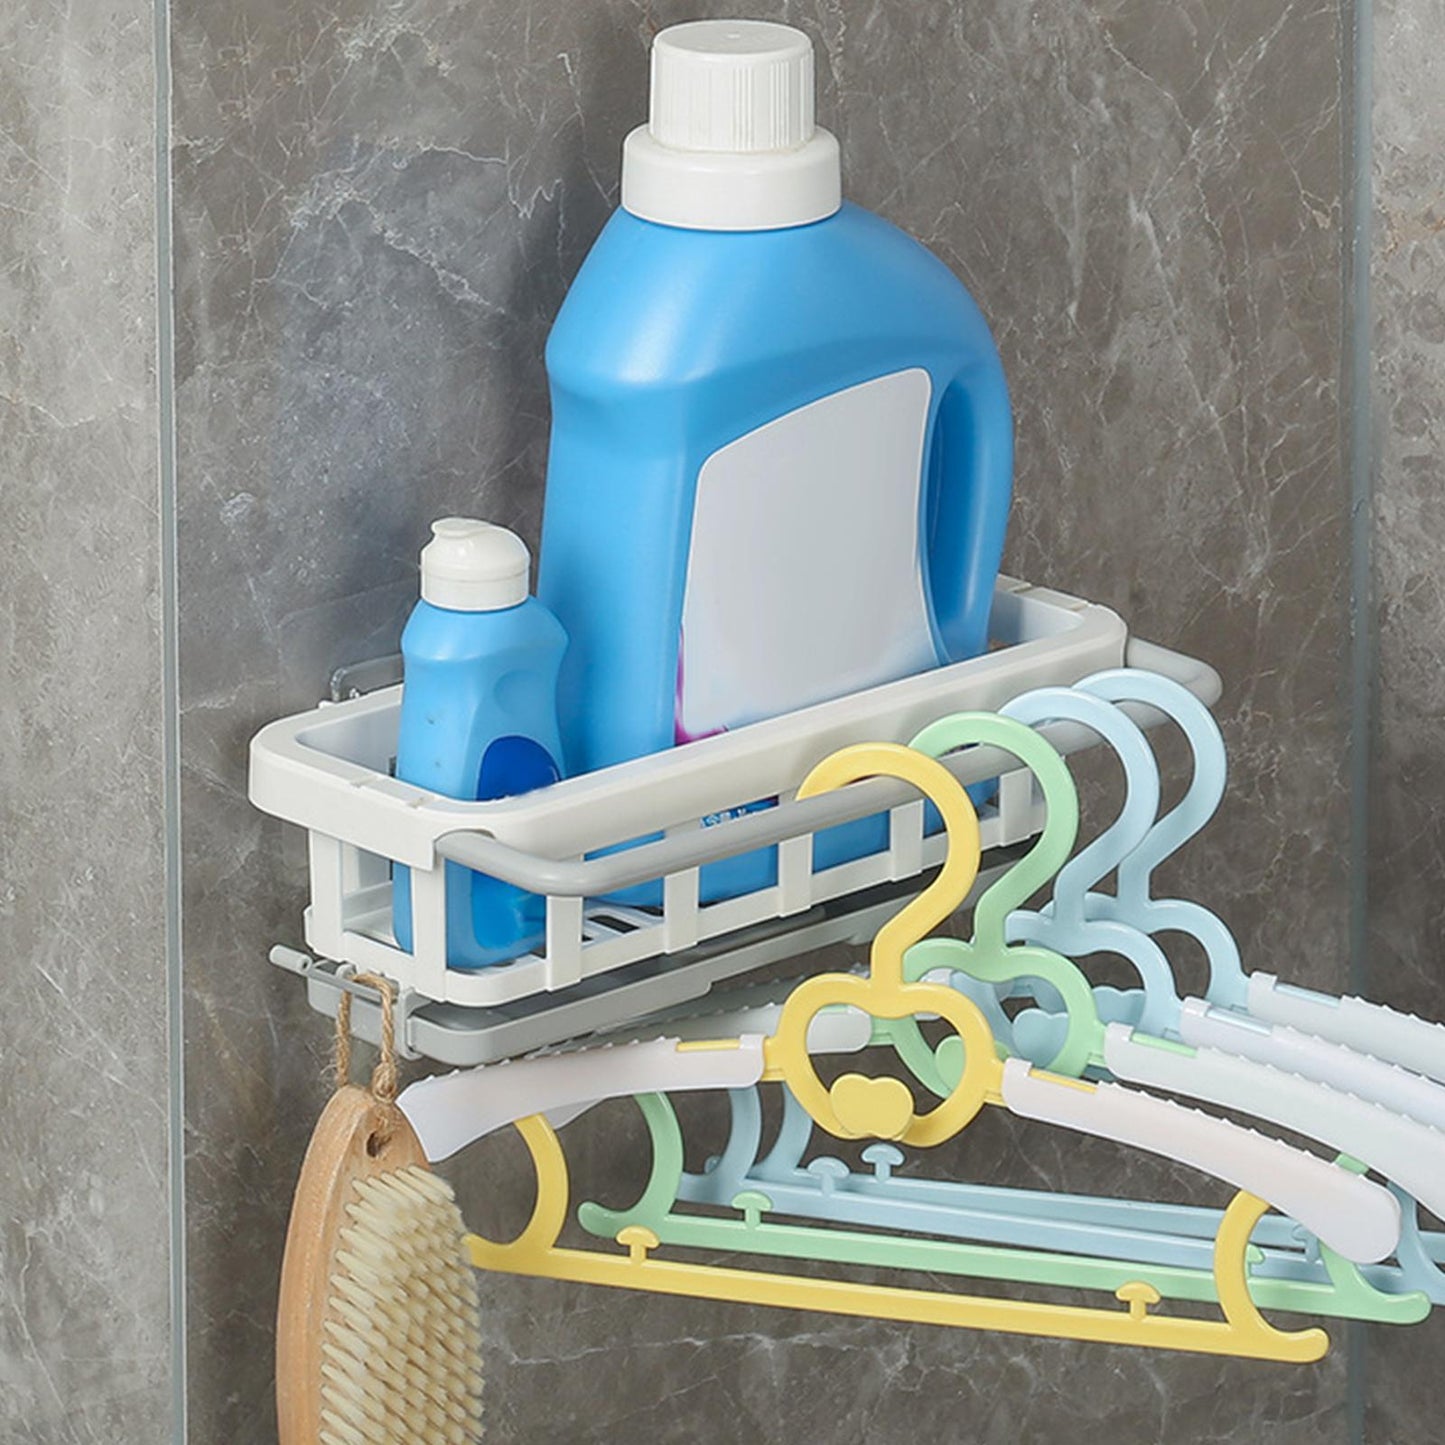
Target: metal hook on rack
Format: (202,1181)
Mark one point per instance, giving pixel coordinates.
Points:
(337,980)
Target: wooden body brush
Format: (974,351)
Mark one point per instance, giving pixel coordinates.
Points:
(378,1330)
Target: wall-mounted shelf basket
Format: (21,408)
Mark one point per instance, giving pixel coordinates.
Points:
(328,770)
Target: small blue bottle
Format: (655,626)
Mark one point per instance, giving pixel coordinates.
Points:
(478,719)
(782,445)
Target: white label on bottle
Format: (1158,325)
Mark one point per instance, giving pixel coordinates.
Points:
(804,575)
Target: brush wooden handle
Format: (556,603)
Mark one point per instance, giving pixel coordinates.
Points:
(357,1137)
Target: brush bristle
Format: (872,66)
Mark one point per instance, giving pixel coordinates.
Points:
(402,1352)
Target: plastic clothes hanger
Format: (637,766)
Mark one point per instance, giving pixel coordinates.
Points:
(1109,1231)
(1077,922)
(1314,1279)
(1344,1062)
(1370,1028)
(1404,1149)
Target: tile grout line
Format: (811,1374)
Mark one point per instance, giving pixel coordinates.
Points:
(1359,459)
(170,723)
(1356,353)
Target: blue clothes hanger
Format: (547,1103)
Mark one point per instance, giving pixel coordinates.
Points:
(1400,1146)
(1078,921)
(1349,1063)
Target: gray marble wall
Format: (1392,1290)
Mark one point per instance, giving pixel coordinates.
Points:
(378,208)
(85,1332)
(1407,841)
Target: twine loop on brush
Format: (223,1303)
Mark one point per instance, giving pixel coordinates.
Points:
(384,1075)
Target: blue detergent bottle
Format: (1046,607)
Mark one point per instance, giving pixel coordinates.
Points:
(782,447)
(480,659)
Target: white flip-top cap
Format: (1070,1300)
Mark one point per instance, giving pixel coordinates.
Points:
(473,566)
(730,143)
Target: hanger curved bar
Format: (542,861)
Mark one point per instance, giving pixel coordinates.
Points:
(1419,1255)
(727,1173)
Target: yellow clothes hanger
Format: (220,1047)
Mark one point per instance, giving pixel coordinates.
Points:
(855,1106)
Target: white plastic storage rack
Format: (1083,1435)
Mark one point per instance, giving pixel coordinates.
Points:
(604,965)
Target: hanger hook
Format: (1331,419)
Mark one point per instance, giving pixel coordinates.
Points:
(1061,799)
(945,894)
(1123,737)
(1210,766)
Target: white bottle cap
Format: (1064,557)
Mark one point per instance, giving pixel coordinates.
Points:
(730,143)
(474,566)
(737,86)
